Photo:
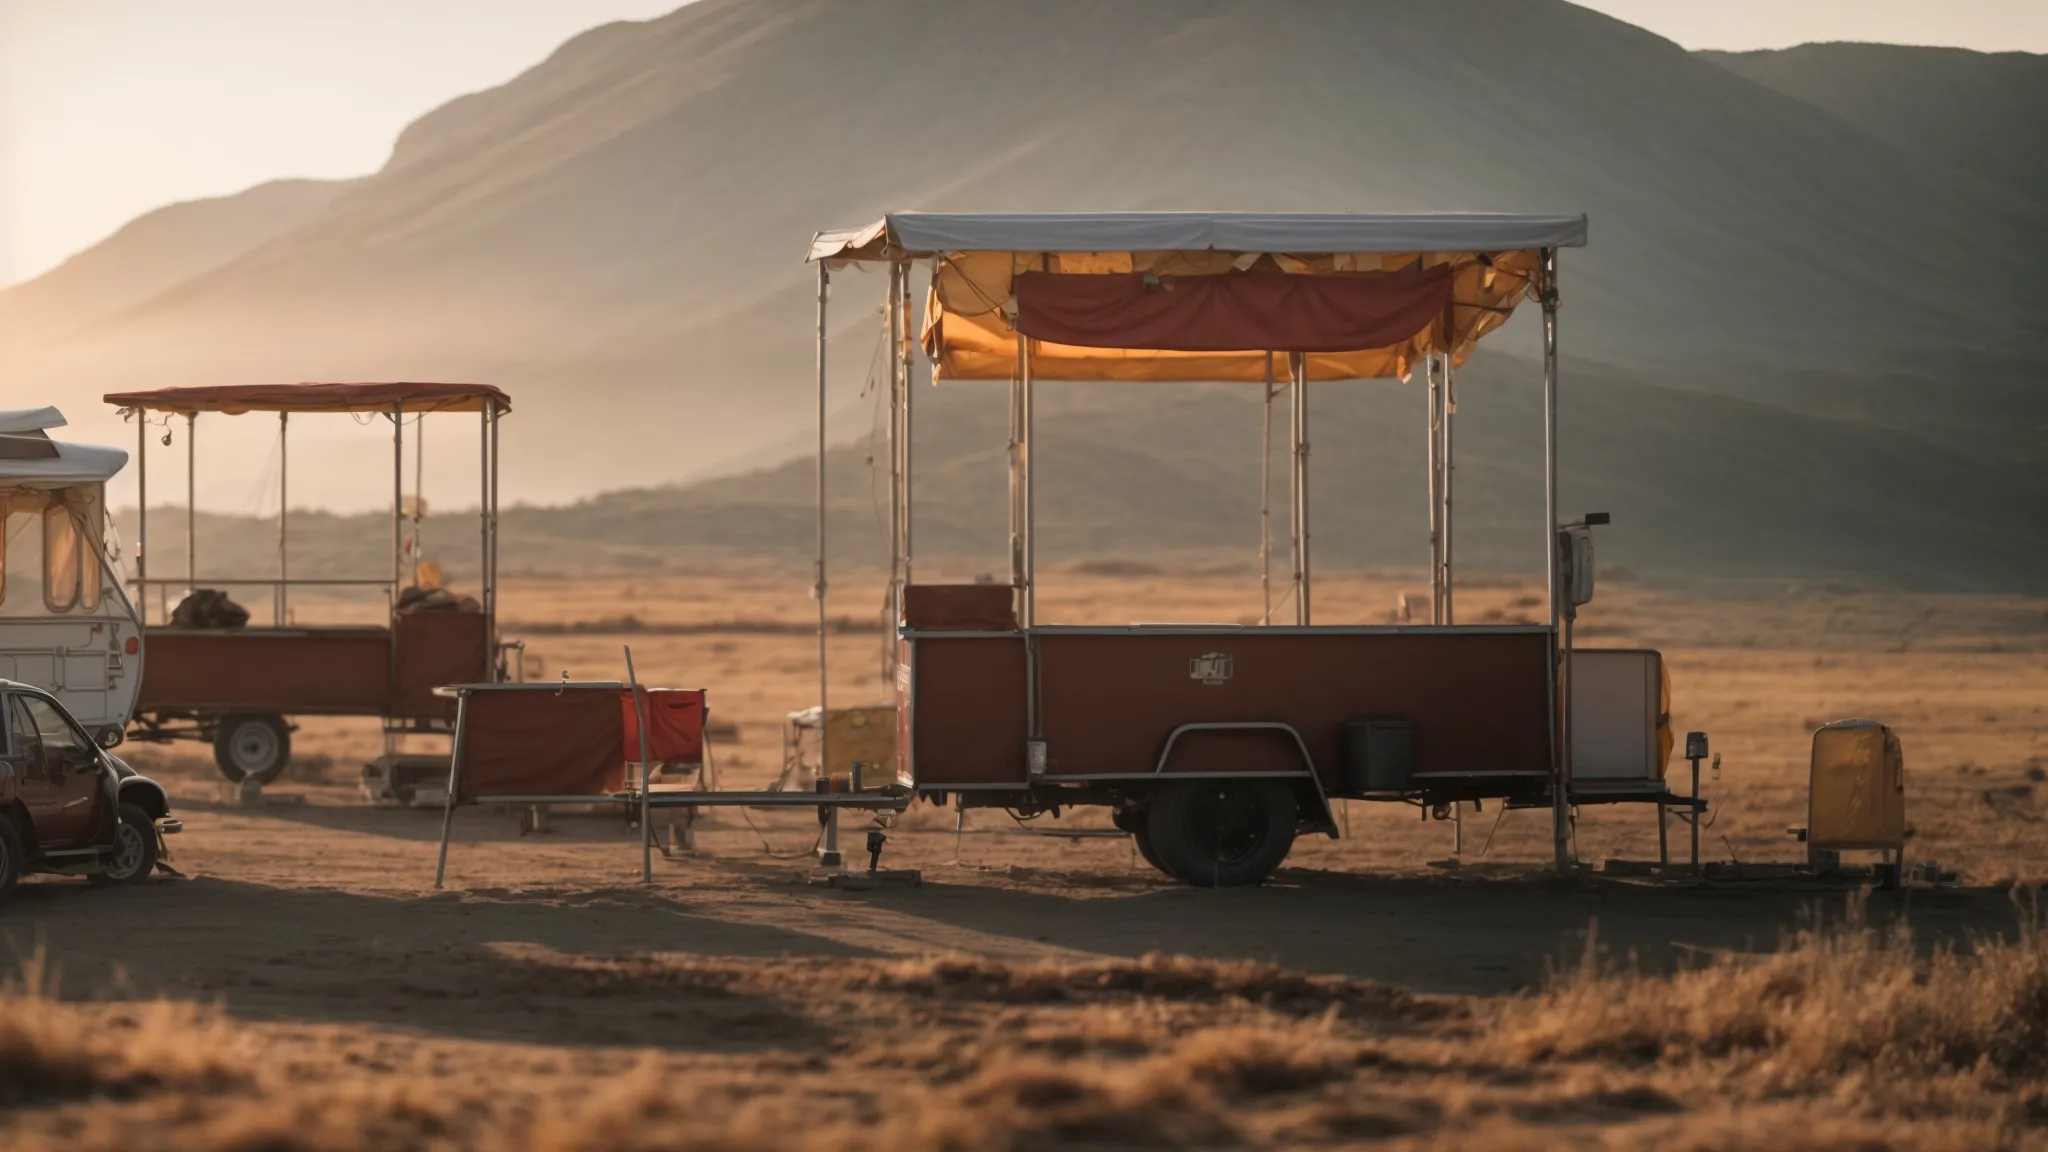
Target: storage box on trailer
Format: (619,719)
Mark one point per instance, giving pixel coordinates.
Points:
(1856,797)
(1621,725)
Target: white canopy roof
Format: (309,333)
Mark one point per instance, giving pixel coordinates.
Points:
(922,234)
(71,464)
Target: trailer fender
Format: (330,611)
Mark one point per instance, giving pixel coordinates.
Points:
(1313,802)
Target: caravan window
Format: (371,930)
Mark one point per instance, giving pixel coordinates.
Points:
(62,544)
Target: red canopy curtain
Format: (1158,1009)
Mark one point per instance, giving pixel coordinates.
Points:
(1251,311)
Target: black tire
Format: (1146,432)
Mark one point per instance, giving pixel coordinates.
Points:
(1222,834)
(134,857)
(1143,840)
(253,746)
(11,860)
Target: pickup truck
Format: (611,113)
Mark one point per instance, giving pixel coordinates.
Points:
(69,806)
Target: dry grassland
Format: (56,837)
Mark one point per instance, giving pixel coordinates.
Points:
(304,988)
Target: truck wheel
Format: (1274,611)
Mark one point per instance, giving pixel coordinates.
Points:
(1222,834)
(255,746)
(10,855)
(134,855)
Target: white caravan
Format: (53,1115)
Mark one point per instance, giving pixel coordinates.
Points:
(66,625)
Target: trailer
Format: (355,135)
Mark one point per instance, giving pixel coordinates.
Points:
(66,624)
(237,685)
(1216,745)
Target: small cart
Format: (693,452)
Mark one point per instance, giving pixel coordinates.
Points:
(237,686)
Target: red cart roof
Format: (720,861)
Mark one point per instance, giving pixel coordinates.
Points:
(235,399)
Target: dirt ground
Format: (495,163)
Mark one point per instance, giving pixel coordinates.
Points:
(314,921)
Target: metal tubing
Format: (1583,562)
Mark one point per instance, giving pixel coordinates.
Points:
(191,501)
(1266,500)
(1029,520)
(909,443)
(491,574)
(284,571)
(1303,565)
(1016,462)
(1448,462)
(1560,816)
(640,714)
(1432,396)
(829,855)
(891,318)
(397,501)
(142,514)
(483,528)
(454,779)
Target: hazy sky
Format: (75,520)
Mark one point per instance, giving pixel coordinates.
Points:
(109,108)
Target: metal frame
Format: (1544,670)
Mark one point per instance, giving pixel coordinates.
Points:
(281,585)
(1441,404)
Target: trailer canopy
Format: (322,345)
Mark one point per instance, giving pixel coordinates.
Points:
(236,399)
(30,459)
(1175,296)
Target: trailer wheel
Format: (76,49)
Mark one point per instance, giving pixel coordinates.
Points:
(1222,834)
(1133,820)
(254,746)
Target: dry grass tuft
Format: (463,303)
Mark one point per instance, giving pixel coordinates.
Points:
(1854,1001)
(50,1050)
(1154,976)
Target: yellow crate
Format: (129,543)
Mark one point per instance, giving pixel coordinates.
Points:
(864,736)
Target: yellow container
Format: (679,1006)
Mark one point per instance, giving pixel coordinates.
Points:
(1856,797)
(864,736)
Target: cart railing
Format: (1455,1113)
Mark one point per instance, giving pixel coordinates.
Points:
(278,586)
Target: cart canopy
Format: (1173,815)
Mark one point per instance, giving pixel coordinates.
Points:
(1172,296)
(236,399)
(29,459)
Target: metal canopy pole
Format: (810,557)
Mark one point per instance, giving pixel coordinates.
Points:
(284,572)
(909,442)
(1447,462)
(891,319)
(483,529)
(828,855)
(1298,372)
(1266,500)
(191,502)
(397,501)
(1560,802)
(1029,518)
(1432,397)
(1016,461)
(142,514)
(491,572)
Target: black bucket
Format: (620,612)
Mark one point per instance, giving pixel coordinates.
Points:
(1379,755)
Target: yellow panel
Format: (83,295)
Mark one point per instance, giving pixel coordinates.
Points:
(866,736)
(1857,791)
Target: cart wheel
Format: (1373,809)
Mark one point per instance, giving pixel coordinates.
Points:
(134,855)
(1222,834)
(10,855)
(253,746)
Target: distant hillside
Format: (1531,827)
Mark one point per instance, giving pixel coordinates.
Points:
(1699,486)
(1987,114)
(154,253)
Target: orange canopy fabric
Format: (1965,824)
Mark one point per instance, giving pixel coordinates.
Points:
(236,399)
(972,314)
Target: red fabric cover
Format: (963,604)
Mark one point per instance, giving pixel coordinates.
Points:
(675,725)
(542,741)
(238,398)
(1254,311)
